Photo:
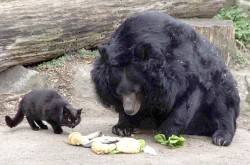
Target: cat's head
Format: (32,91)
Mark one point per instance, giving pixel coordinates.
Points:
(71,117)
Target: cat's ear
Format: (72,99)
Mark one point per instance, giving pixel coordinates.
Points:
(65,111)
(79,111)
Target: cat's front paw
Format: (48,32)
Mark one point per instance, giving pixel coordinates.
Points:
(35,128)
(58,131)
(121,130)
(44,127)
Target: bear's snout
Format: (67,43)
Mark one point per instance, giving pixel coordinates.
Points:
(131,104)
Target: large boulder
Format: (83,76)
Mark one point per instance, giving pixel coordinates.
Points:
(84,94)
(83,86)
(20,80)
(15,82)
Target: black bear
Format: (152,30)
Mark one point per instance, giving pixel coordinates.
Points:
(155,66)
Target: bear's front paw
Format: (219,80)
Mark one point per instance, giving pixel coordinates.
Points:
(122,130)
(222,138)
(169,131)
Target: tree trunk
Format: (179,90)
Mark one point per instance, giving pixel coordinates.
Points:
(34,31)
(220,33)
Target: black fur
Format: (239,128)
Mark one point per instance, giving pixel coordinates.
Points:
(185,86)
(48,105)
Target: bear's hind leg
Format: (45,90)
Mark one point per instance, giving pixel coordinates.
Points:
(200,125)
(224,120)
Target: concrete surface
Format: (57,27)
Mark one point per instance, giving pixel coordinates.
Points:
(21,145)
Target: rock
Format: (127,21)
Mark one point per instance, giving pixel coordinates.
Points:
(84,94)
(243,80)
(20,80)
(83,86)
(247,78)
(245,5)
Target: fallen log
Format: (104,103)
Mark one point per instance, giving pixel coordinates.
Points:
(33,31)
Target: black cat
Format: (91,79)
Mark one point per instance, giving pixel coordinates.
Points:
(47,105)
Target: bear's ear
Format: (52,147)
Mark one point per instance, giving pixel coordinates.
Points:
(143,51)
(103,52)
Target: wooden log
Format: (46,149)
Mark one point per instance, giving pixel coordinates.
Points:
(33,31)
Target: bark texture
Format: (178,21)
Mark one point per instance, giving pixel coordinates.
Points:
(33,31)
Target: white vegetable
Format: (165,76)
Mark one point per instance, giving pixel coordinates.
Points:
(149,150)
(128,145)
(100,148)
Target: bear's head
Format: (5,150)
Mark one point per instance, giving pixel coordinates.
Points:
(126,75)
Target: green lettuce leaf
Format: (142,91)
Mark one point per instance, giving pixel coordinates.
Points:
(173,141)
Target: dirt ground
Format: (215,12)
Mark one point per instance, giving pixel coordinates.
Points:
(21,145)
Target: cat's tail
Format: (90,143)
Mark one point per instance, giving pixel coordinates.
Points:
(16,120)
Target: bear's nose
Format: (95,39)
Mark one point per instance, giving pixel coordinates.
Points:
(129,111)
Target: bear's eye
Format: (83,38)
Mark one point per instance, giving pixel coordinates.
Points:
(115,77)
